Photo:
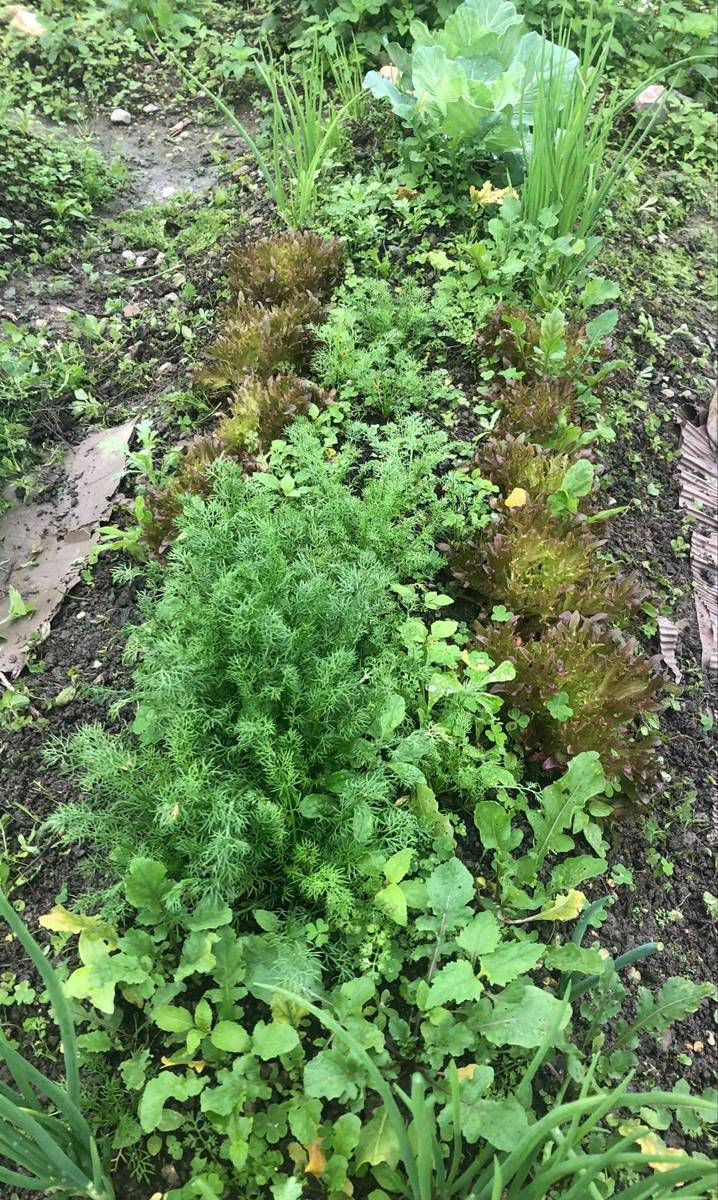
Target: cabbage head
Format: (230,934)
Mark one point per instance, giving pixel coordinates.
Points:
(477,79)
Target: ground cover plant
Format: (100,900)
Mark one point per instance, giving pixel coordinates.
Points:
(355,838)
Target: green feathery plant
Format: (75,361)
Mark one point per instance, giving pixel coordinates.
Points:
(257,762)
(51,1142)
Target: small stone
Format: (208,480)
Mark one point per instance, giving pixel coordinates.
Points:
(161,257)
(9,293)
(150,108)
(120,116)
(141,260)
(128,256)
(116,243)
(651,99)
(131,310)
(171,298)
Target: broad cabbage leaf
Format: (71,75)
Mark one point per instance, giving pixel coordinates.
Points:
(477,79)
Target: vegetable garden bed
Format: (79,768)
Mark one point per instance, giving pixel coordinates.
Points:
(356,828)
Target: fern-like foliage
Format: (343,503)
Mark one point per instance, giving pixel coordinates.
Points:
(371,349)
(252,767)
(583,686)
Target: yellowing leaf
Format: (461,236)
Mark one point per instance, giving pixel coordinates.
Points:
(466,1072)
(516,498)
(297,1153)
(195,1064)
(62,921)
(652,1144)
(563,908)
(317,1159)
(488,194)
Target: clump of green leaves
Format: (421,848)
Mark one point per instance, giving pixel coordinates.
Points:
(262,339)
(48,188)
(261,409)
(46,1143)
(41,378)
(454,995)
(543,409)
(514,462)
(548,347)
(473,81)
(258,761)
(370,349)
(581,686)
(274,270)
(162,505)
(540,565)
(280,287)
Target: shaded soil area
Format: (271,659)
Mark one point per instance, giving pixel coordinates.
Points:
(672,850)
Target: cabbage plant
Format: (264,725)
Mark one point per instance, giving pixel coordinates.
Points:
(477,80)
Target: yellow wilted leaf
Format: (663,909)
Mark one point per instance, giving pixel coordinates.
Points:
(62,921)
(563,908)
(317,1160)
(285,1011)
(516,498)
(652,1144)
(195,1064)
(488,194)
(24,21)
(467,1072)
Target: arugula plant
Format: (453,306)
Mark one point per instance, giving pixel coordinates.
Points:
(476,80)
(218,1051)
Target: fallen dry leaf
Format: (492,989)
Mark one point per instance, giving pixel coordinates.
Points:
(652,1144)
(488,194)
(46,544)
(699,496)
(669,633)
(390,72)
(179,126)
